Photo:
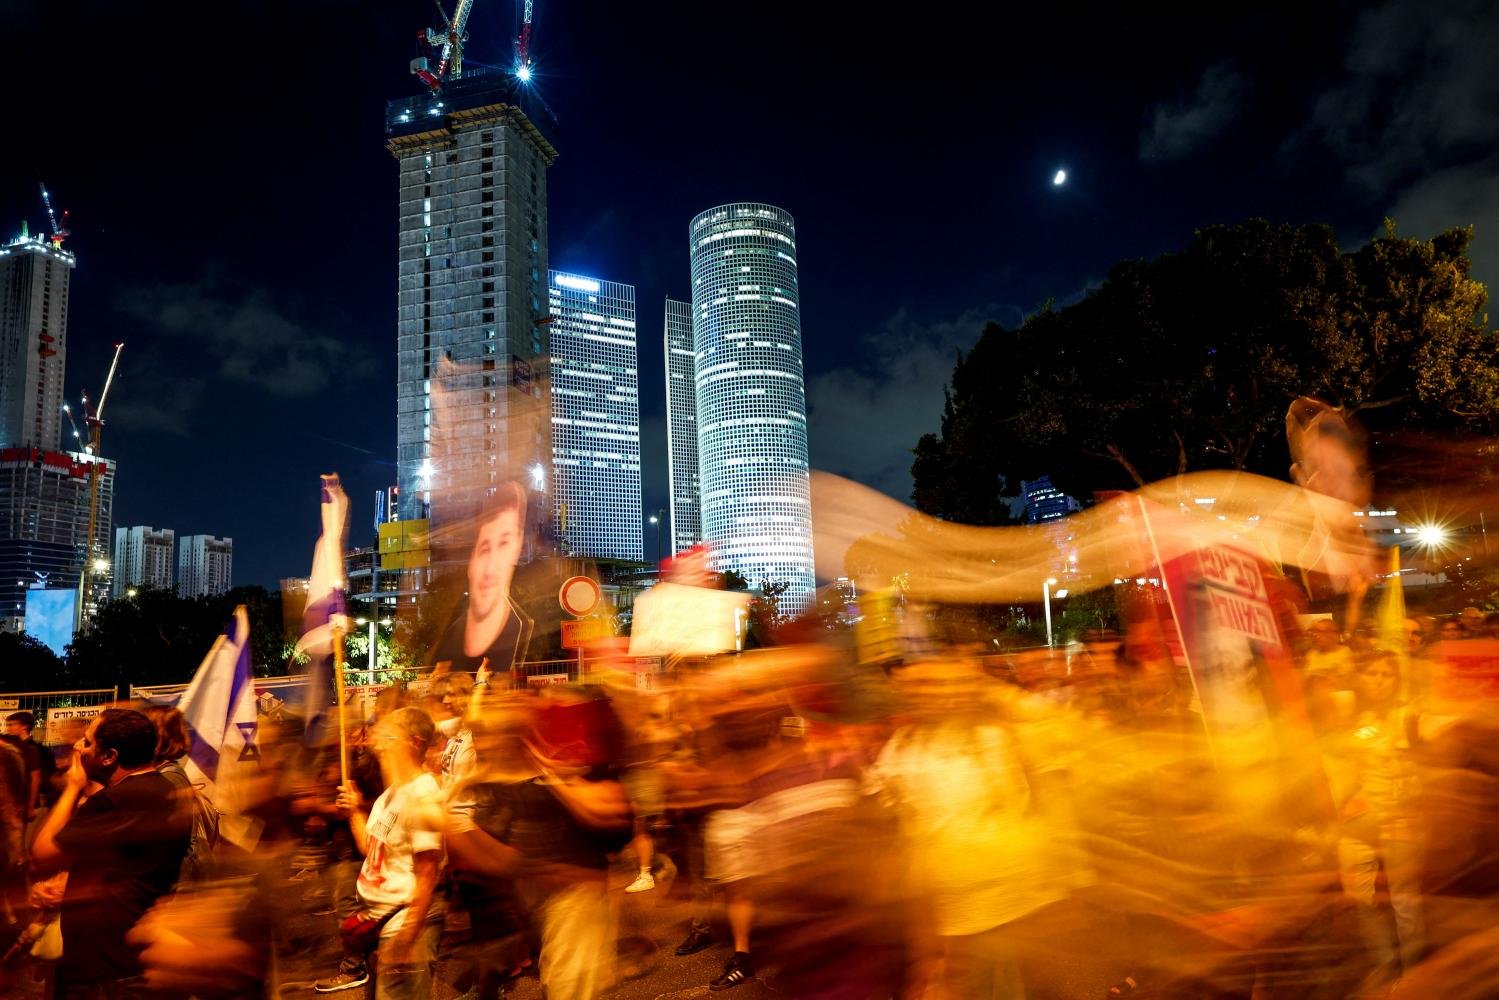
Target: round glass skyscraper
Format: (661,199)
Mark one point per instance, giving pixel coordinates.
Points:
(751,401)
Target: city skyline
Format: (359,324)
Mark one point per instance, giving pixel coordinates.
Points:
(279,296)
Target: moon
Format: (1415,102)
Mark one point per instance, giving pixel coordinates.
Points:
(1060,178)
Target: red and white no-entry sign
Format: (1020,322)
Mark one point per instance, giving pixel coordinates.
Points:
(579,596)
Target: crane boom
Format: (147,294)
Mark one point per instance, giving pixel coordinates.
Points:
(523,42)
(58,232)
(96,429)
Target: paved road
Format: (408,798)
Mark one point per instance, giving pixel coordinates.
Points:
(653,923)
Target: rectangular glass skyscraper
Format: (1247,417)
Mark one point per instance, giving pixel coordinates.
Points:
(472,401)
(595,417)
(681,428)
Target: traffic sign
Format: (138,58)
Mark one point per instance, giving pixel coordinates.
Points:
(576,635)
(579,595)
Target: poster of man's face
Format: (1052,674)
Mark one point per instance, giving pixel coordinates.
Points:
(491,563)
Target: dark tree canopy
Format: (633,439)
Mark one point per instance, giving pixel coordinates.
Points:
(1189,361)
(157,637)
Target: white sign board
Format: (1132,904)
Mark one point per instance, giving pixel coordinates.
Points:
(671,619)
(59,729)
(546,680)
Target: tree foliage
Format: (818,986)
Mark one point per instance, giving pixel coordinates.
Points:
(1189,361)
(157,637)
(29,665)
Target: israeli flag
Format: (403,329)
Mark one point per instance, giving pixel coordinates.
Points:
(220,709)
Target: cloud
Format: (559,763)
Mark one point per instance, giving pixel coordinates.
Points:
(864,419)
(1458,196)
(1418,90)
(247,337)
(156,397)
(1176,130)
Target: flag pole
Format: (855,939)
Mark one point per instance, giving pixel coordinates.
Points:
(338,689)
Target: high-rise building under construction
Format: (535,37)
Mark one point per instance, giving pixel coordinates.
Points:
(44,491)
(473,399)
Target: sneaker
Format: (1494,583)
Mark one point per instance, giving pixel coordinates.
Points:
(643,882)
(342,981)
(736,971)
(695,942)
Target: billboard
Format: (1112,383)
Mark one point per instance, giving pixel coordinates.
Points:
(49,617)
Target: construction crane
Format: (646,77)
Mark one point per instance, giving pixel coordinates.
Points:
(453,36)
(59,233)
(95,421)
(68,412)
(523,44)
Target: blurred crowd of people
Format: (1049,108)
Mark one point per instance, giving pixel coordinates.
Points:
(958,825)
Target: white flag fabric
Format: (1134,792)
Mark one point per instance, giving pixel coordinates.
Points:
(221,714)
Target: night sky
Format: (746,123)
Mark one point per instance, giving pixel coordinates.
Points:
(233,206)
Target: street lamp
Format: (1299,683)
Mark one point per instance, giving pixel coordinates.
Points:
(1051,581)
(656,519)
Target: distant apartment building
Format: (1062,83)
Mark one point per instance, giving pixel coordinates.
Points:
(143,557)
(204,565)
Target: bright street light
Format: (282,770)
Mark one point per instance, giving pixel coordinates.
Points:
(1431,535)
(1059,179)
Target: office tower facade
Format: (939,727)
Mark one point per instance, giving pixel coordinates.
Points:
(681,428)
(1044,502)
(34,280)
(143,558)
(751,401)
(205,565)
(472,381)
(44,503)
(595,417)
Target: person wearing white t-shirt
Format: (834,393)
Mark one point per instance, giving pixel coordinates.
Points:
(400,836)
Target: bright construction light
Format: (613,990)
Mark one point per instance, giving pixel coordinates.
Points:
(100,565)
(1061,593)
(1431,535)
(361,621)
(523,73)
(1060,178)
(652,519)
(424,471)
(131,592)
(538,477)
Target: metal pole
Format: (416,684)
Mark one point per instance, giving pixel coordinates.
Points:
(1046,598)
(371,679)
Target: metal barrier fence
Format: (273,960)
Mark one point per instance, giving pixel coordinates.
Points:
(58,712)
(154,692)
